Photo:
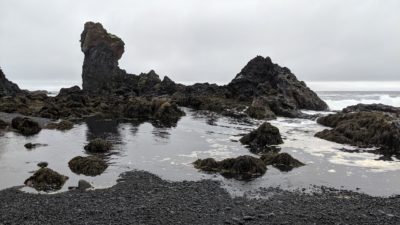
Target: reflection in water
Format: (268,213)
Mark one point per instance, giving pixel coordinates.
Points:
(169,153)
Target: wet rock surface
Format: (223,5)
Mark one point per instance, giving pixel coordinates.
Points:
(241,168)
(260,138)
(364,126)
(89,166)
(98,145)
(25,126)
(143,198)
(282,161)
(33,145)
(46,179)
(63,125)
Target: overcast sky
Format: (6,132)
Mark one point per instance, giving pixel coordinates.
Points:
(206,40)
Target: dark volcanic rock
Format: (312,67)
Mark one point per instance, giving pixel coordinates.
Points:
(263,136)
(25,126)
(364,129)
(89,166)
(98,145)
(261,77)
(371,107)
(7,88)
(241,168)
(282,161)
(46,179)
(42,164)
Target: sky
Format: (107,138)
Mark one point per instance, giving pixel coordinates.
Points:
(330,44)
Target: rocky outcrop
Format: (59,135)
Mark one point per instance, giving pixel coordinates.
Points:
(25,126)
(371,108)
(241,168)
(364,128)
(7,88)
(266,87)
(89,166)
(262,137)
(98,145)
(46,179)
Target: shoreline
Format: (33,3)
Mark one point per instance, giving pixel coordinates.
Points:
(140,197)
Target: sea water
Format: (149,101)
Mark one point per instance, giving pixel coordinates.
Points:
(169,152)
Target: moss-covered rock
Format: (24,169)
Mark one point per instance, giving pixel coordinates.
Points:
(282,161)
(98,145)
(364,129)
(46,179)
(241,168)
(25,126)
(263,136)
(89,166)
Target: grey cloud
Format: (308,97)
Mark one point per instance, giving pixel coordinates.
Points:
(205,40)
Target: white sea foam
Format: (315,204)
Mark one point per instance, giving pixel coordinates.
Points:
(339,104)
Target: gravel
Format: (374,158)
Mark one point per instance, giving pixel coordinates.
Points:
(143,198)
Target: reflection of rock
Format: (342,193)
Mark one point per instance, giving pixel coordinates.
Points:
(264,135)
(63,125)
(25,126)
(364,128)
(46,179)
(241,168)
(282,161)
(98,145)
(33,145)
(89,166)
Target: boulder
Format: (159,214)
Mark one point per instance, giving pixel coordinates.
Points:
(261,137)
(89,166)
(46,179)
(363,129)
(282,161)
(240,168)
(98,145)
(25,126)
(84,185)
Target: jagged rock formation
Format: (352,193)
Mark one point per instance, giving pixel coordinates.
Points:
(266,87)
(365,126)
(7,87)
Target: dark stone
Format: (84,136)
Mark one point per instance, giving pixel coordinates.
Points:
(282,161)
(98,145)
(371,107)
(25,126)
(46,179)
(7,88)
(364,129)
(42,164)
(89,166)
(241,168)
(84,185)
(263,136)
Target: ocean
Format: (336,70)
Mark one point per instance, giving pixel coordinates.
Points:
(169,152)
